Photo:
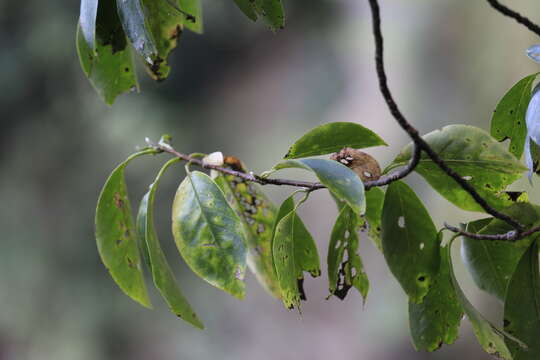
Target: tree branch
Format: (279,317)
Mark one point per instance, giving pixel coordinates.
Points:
(515,15)
(413,132)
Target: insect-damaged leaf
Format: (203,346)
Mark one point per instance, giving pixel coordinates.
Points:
(474,155)
(374,205)
(436,320)
(522,306)
(109,63)
(209,234)
(339,179)
(492,263)
(410,241)
(345,268)
(162,274)
(490,338)
(87,21)
(133,21)
(166,20)
(116,235)
(294,252)
(258,215)
(508,120)
(333,137)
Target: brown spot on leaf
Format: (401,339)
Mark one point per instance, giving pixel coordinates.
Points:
(118,202)
(364,165)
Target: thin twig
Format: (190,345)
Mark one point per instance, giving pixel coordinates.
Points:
(413,132)
(515,15)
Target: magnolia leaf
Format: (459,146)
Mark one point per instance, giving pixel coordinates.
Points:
(345,268)
(271,11)
(508,120)
(87,21)
(490,338)
(162,274)
(342,182)
(522,306)
(374,206)
(436,320)
(410,241)
(258,216)
(194,20)
(492,263)
(133,19)
(209,234)
(116,235)
(293,248)
(333,137)
(474,155)
(532,119)
(246,6)
(108,64)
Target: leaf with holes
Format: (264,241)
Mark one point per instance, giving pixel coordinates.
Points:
(508,120)
(333,137)
(162,274)
(87,21)
(492,263)
(409,240)
(522,306)
(108,64)
(134,21)
(209,234)
(293,246)
(436,320)
(374,205)
(116,235)
(339,179)
(345,268)
(490,338)
(474,155)
(258,216)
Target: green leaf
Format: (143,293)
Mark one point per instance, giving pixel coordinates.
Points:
(109,65)
(293,248)
(436,320)
(116,235)
(133,20)
(247,8)
(490,338)
(333,137)
(258,216)
(87,21)
(522,306)
(410,241)
(194,9)
(508,120)
(271,11)
(345,268)
(162,274)
(209,234)
(475,156)
(374,206)
(492,263)
(339,179)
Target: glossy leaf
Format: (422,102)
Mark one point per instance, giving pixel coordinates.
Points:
(258,216)
(162,274)
(436,320)
(339,179)
(246,6)
(133,21)
(333,137)
(532,143)
(209,234)
(116,235)
(522,306)
(293,248)
(271,11)
(508,120)
(410,241)
(345,268)
(474,155)
(492,263)
(374,206)
(109,66)
(87,21)
(490,338)
(534,52)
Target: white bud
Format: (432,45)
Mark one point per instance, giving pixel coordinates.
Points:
(214,159)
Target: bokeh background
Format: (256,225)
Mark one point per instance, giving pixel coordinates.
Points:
(247,92)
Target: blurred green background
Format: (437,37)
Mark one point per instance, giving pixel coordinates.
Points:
(247,92)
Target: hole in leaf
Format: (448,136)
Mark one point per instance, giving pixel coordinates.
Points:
(401,222)
(421,278)
(421,246)
(467,178)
